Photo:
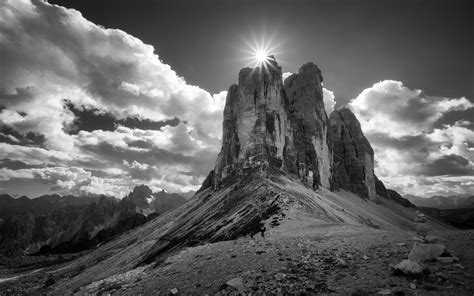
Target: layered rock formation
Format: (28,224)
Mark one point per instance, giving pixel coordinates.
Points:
(353,157)
(271,125)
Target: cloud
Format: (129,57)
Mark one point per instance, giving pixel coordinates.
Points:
(402,111)
(329,100)
(400,124)
(75,85)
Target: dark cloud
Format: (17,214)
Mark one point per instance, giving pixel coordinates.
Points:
(453,165)
(11,136)
(90,119)
(16,164)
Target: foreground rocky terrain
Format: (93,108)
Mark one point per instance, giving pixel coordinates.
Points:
(295,257)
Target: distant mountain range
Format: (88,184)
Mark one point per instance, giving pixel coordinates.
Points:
(61,224)
(443,202)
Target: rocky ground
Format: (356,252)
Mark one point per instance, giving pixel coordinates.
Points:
(348,262)
(334,260)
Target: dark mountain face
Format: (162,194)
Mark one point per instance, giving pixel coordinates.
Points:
(54,223)
(461,218)
(10,206)
(443,202)
(72,224)
(156,203)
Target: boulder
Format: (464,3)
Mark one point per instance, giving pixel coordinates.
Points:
(409,268)
(431,239)
(426,252)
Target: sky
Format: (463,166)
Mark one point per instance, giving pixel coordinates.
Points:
(100,96)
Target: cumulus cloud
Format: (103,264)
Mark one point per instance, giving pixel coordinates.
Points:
(54,62)
(409,150)
(329,100)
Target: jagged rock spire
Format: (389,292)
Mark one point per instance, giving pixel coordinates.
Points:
(268,124)
(353,165)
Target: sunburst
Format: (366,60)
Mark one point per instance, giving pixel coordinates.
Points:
(260,53)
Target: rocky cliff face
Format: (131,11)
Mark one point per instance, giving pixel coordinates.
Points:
(353,157)
(271,125)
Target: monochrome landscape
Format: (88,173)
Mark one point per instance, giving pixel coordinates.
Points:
(296,167)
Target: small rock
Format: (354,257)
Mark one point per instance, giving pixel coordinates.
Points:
(365,257)
(401,244)
(457,265)
(421,220)
(341,262)
(236,283)
(408,267)
(431,239)
(50,281)
(418,239)
(425,252)
(412,286)
(174,291)
(441,276)
(384,292)
(445,259)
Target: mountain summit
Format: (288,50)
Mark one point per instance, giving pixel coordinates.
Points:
(271,125)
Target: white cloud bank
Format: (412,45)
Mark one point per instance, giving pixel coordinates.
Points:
(412,155)
(50,53)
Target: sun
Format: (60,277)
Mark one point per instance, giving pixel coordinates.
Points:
(261,56)
(261,52)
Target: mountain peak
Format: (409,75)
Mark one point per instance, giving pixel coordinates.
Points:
(271,125)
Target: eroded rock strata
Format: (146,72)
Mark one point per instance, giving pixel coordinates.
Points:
(268,124)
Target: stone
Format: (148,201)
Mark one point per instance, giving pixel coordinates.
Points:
(445,259)
(457,265)
(412,286)
(409,268)
(384,292)
(426,252)
(236,283)
(421,220)
(353,156)
(174,291)
(341,262)
(401,244)
(431,239)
